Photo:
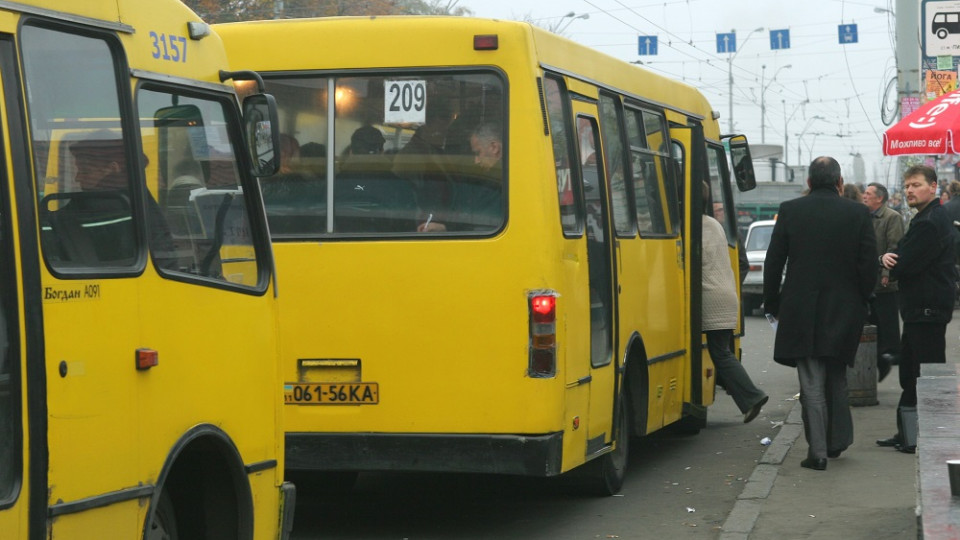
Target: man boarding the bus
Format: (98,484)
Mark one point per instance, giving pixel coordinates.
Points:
(721,314)
(827,244)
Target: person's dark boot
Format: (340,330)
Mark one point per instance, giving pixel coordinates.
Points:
(817,464)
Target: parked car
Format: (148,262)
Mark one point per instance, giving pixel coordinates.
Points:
(758,238)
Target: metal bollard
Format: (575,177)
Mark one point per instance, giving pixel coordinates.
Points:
(862,377)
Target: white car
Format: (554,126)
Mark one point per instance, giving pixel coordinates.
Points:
(758,238)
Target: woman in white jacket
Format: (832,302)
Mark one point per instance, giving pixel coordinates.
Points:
(720,314)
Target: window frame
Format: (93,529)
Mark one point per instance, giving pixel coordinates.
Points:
(673,217)
(251,191)
(576,182)
(131,146)
(729,206)
(334,75)
(630,231)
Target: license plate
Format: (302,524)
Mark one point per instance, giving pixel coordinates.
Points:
(331,393)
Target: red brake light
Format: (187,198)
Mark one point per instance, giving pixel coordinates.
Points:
(543,334)
(544,308)
(486,42)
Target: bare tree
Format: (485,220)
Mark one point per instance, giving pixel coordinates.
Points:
(215,11)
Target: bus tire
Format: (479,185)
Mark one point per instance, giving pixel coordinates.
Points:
(606,473)
(163,523)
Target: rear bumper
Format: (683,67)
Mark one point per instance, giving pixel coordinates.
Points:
(528,455)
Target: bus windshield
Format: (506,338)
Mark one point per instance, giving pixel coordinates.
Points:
(400,160)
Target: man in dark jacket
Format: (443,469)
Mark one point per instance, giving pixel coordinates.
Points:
(884,310)
(827,244)
(923,263)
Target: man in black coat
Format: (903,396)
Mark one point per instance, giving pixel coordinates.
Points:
(923,263)
(828,247)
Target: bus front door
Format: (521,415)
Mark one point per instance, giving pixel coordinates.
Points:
(14,487)
(600,271)
(690,150)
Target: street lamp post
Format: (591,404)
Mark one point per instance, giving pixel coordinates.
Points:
(730,70)
(763,91)
(786,123)
(800,136)
(567,20)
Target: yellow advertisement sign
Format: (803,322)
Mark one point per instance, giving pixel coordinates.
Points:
(940,82)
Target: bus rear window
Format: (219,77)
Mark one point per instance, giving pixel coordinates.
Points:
(410,153)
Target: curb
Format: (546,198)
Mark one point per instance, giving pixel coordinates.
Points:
(743,517)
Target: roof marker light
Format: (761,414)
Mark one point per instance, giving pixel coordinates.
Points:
(486,42)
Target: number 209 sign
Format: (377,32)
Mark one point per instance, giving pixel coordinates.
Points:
(404,102)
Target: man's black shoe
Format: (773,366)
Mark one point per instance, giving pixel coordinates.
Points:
(906,449)
(752,412)
(883,365)
(817,464)
(892,441)
(834,453)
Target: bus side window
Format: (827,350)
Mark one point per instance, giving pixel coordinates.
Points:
(200,226)
(654,128)
(88,220)
(568,192)
(646,192)
(611,130)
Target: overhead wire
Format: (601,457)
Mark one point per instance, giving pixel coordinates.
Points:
(712,60)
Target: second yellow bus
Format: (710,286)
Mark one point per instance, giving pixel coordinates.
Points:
(487,245)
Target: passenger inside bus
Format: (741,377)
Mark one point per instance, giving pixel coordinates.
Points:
(368,197)
(476,201)
(285,193)
(421,160)
(92,225)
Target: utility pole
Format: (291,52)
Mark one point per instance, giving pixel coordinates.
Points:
(730,70)
(907,17)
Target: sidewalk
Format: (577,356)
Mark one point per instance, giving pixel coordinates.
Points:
(869,492)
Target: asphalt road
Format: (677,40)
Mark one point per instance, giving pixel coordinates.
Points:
(677,486)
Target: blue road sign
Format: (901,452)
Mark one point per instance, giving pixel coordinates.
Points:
(848,33)
(780,39)
(727,43)
(647,45)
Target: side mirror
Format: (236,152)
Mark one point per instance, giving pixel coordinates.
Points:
(262,137)
(742,162)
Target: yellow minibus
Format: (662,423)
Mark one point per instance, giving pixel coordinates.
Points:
(139,375)
(487,245)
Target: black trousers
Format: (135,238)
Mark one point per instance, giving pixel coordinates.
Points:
(730,372)
(885,314)
(923,343)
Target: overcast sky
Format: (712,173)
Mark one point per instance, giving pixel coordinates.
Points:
(843,84)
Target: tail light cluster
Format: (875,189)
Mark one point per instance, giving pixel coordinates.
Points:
(542,307)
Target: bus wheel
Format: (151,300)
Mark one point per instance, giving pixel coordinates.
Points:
(164,523)
(607,472)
